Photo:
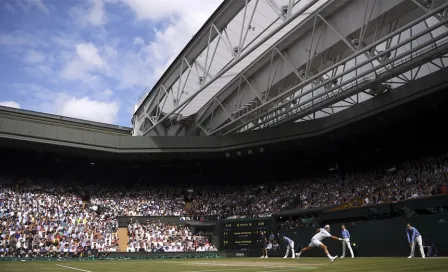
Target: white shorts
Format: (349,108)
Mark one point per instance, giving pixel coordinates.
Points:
(315,243)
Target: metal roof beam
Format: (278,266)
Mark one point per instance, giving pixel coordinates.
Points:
(433,54)
(200,41)
(320,54)
(234,62)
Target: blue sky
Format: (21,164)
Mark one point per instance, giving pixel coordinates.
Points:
(90,59)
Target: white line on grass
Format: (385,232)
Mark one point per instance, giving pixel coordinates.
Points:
(74,268)
(26,269)
(290,269)
(236,264)
(252,268)
(225,269)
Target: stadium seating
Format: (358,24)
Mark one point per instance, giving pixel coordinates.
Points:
(410,179)
(46,217)
(161,237)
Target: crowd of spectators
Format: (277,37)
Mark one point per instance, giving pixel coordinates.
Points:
(418,178)
(236,201)
(303,221)
(50,221)
(140,201)
(412,179)
(47,217)
(161,237)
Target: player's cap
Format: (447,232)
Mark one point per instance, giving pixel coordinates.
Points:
(327,226)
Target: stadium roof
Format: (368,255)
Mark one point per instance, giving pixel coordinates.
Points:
(65,119)
(265,18)
(263,24)
(259,64)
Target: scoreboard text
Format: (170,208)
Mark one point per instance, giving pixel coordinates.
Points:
(244,236)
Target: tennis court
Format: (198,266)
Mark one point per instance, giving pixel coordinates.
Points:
(235,264)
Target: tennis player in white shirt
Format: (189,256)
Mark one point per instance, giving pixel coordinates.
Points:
(316,241)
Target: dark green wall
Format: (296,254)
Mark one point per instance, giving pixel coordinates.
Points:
(123,221)
(167,255)
(380,238)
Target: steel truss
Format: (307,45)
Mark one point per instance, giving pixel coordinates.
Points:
(370,70)
(223,50)
(366,66)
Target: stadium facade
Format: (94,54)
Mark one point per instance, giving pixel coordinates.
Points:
(271,91)
(275,72)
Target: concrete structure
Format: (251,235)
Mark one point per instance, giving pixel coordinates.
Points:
(303,70)
(63,121)
(49,131)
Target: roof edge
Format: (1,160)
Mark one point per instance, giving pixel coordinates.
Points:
(185,49)
(65,118)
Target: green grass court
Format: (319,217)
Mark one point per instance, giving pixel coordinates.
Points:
(233,265)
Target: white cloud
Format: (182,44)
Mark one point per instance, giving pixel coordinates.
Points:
(45,70)
(42,71)
(63,40)
(33,56)
(30,90)
(95,106)
(185,19)
(96,14)
(131,69)
(85,65)
(92,14)
(22,38)
(10,104)
(39,5)
(75,70)
(158,10)
(93,65)
(29,5)
(101,61)
(136,68)
(139,41)
(108,92)
(86,108)
(89,54)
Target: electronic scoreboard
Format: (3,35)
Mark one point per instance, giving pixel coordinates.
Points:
(244,235)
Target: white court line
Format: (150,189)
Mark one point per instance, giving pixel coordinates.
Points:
(215,270)
(290,269)
(266,265)
(21,269)
(252,268)
(74,268)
